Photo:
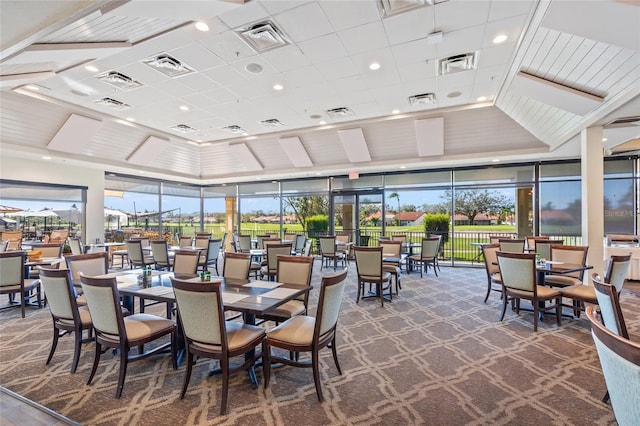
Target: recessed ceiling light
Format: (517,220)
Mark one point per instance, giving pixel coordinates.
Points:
(32,87)
(604,139)
(245,134)
(395,111)
(482,98)
(201,26)
(500,39)
(141,172)
(374,66)
(46,158)
(322,122)
(184,108)
(403,167)
(131,119)
(495,160)
(91,68)
(278,86)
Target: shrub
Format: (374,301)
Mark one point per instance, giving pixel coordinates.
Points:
(317,225)
(437,224)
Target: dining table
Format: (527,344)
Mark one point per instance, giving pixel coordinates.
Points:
(252,298)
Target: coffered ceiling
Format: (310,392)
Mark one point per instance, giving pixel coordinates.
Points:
(219,106)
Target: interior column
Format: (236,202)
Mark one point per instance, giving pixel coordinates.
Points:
(230,220)
(593,197)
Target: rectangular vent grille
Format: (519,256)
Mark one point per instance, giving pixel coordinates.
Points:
(119,80)
(168,65)
(183,128)
(272,122)
(234,129)
(457,63)
(423,99)
(393,7)
(339,112)
(112,103)
(263,36)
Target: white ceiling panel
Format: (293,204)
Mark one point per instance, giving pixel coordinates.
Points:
(323,49)
(364,38)
(287,58)
(406,27)
(304,23)
(343,15)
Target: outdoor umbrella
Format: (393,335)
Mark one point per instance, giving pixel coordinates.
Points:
(42,213)
(70,215)
(9,209)
(120,217)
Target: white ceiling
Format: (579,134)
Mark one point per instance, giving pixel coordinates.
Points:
(325,66)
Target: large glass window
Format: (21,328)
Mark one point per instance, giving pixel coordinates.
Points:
(41,208)
(560,200)
(619,197)
(138,199)
(217,219)
(259,209)
(180,210)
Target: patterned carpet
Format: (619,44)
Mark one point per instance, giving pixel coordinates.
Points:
(436,355)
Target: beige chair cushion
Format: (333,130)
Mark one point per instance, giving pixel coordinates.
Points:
(391,268)
(543,293)
(496,277)
(238,335)
(386,276)
(297,330)
(85,318)
(139,326)
(287,310)
(561,281)
(580,292)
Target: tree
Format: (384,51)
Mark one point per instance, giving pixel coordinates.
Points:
(471,203)
(397,197)
(305,207)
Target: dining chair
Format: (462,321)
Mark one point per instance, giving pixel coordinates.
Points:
(202,241)
(301,240)
(244,243)
(185,241)
(114,330)
(203,234)
(12,280)
(270,270)
(543,247)
(47,250)
(307,248)
(531,241)
(295,271)
(90,264)
(185,262)
(75,244)
(136,255)
(428,255)
(329,252)
(518,273)
(493,270)
(58,236)
(620,362)
(236,266)
(213,252)
(342,243)
(4,244)
(495,239)
(14,238)
(392,260)
(576,255)
(208,335)
(303,333)
(161,256)
(511,245)
(584,293)
(370,270)
(66,316)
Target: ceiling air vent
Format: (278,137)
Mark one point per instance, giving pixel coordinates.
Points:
(457,63)
(423,99)
(393,7)
(119,80)
(112,103)
(271,122)
(168,65)
(183,128)
(235,129)
(339,112)
(263,36)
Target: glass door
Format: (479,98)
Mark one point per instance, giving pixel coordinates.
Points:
(358,214)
